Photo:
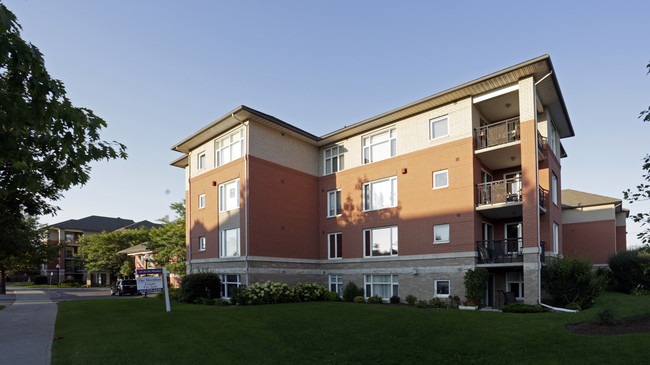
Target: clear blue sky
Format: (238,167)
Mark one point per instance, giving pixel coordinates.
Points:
(157,71)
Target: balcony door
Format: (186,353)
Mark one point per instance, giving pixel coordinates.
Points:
(513,186)
(513,231)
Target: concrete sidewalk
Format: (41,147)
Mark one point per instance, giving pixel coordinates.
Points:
(27,328)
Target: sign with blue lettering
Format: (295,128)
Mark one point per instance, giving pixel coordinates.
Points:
(148,271)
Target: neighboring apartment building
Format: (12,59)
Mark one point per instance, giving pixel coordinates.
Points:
(69,232)
(402,203)
(593,226)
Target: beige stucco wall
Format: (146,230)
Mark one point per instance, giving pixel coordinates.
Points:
(283,149)
(621,219)
(588,214)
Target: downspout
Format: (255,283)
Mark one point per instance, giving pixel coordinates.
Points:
(245,197)
(188,210)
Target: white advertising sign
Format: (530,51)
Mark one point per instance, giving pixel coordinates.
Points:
(148,284)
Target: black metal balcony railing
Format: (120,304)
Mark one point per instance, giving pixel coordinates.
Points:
(541,141)
(499,251)
(499,191)
(497,133)
(543,194)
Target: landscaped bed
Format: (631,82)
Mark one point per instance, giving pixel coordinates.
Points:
(140,331)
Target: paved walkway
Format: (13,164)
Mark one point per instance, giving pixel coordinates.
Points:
(27,328)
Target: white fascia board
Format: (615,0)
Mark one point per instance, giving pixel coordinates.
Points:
(495,93)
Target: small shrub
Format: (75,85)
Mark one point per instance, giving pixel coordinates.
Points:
(523,308)
(375,300)
(422,304)
(572,279)
(70,284)
(331,296)
(359,299)
(438,303)
(639,291)
(221,302)
(308,292)
(201,285)
(235,296)
(351,291)
(410,299)
(40,280)
(573,306)
(628,270)
(394,299)
(267,293)
(476,281)
(454,302)
(605,316)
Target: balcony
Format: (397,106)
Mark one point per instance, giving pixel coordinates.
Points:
(507,250)
(500,199)
(543,195)
(497,134)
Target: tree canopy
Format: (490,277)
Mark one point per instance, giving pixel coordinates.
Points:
(100,252)
(642,191)
(168,241)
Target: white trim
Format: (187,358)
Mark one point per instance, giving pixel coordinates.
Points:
(201,201)
(394,245)
(201,163)
(337,282)
(369,284)
(495,93)
(554,188)
(337,255)
(367,205)
(338,208)
(202,243)
(223,241)
(448,234)
(435,289)
(436,120)
(339,159)
(556,237)
(392,145)
(439,172)
(220,146)
(223,200)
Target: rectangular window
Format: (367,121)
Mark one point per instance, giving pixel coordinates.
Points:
(515,283)
(379,146)
(336,284)
(228,283)
(441,233)
(556,237)
(380,194)
(333,159)
(440,179)
(380,241)
(439,127)
(333,203)
(229,147)
(384,286)
(554,188)
(229,196)
(229,243)
(441,288)
(201,201)
(335,245)
(202,243)
(201,161)
(552,138)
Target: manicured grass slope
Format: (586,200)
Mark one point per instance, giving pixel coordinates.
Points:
(139,331)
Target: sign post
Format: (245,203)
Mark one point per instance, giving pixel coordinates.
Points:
(148,284)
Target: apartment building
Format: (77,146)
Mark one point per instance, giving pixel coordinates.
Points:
(594,226)
(402,203)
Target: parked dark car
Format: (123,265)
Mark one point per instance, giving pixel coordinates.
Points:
(125,286)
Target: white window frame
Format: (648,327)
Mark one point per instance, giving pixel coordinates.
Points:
(201,201)
(442,241)
(440,172)
(223,147)
(200,161)
(552,138)
(554,188)
(369,233)
(202,243)
(223,201)
(334,162)
(225,284)
(337,208)
(438,120)
(366,153)
(336,283)
(369,284)
(556,238)
(338,241)
(223,249)
(519,281)
(435,288)
(368,194)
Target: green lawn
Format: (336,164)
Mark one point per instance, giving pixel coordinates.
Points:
(139,331)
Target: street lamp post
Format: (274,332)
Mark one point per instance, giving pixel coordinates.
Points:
(146,266)
(58,274)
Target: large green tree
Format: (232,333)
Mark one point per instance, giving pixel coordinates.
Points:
(100,252)
(47,143)
(168,241)
(642,191)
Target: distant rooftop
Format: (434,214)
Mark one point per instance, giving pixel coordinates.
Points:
(574,198)
(99,224)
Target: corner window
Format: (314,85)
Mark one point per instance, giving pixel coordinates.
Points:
(201,201)
(333,159)
(333,203)
(441,288)
(440,179)
(229,196)
(439,127)
(554,188)
(379,146)
(441,233)
(228,284)
(229,147)
(229,243)
(336,284)
(201,161)
(202,243)
(384,286)
(556,237)
(380,242)
(335,245)
(380,194)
